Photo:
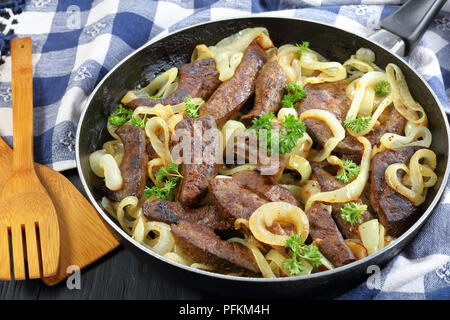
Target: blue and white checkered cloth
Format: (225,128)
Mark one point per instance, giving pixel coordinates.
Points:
(75,43)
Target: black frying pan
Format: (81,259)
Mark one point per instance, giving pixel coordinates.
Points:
(335,44)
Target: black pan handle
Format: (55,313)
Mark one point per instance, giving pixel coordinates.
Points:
(412,19)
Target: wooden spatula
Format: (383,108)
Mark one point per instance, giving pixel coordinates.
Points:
(84,238)
(26,210)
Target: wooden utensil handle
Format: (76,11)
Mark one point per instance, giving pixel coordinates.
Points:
(22,102)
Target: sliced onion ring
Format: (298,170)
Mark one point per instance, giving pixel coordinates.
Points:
(335,126)
(268,213)
(353,190)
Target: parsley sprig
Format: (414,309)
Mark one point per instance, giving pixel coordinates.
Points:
(357,124)
(300,253)
(349,171)
(263,130)
(351,212)
(172,176)
(291,130)
(191,107)
(120,116)
(295,93)
(382,88)
(301,47)
(294,130)
(139,122)
(171,171)
(161,193)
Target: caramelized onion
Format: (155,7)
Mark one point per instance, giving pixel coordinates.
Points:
(160,87)
(415,173)
(268,213)
(113,176)
(335,126)
(353,190)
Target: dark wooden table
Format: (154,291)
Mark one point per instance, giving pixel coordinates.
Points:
(119,275)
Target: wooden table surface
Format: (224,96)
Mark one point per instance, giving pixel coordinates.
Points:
(119,275)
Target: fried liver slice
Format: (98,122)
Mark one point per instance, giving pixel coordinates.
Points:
(395,212)
(270,85)
(201,134)
(198,79)
(390,121)
(134,163)
(330,96)
(171,212)
(234,201)
(324,231)
(233,93)
(264,187)
(204,246)
(327,183)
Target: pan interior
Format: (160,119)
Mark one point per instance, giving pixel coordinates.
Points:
(175,50)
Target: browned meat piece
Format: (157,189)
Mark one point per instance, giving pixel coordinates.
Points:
(171,212)
(198,79)
(274,169)
(390,121)
(204,246)
(234,201)
(263,186)
(323,229)
(330,96)
(245,192)
(197,135)
(232,94)
(246,150)
(396,212)
(269,88)
(134,163)
(327,183)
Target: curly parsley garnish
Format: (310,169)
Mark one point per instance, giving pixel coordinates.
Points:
(295,93)
(300,253)
(139,122)
(291,130)
(191,107)
(161,193)
(171,171)
(357,124)
(301,47)
(262,129)
(294,129)
(120,116)
(351,212)
(172,176)
(349,171)
(382,88)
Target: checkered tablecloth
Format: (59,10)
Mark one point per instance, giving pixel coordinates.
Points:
(75,43)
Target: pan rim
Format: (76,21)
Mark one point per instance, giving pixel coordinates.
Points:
(417,225)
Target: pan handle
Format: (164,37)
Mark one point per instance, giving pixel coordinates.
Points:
(411,20)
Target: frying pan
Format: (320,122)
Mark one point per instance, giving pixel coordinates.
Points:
(337,45)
